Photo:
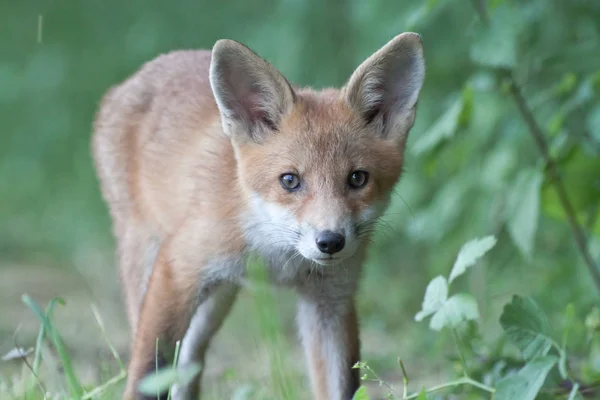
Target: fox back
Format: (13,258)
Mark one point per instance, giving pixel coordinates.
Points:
(204,156)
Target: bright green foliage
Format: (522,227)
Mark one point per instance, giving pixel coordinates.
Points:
(443,128)
(523,321)
(451,312)
(469,254)
(526,384)
(361,394)
(495,43)
(435,297)
(472,169)
(163,379)
(48,328)
(527,326)
(523,210)
(458,308)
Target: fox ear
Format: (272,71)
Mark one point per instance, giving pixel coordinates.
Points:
(251,94)
(385,88)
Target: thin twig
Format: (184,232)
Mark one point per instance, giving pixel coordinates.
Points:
(36,377)
(540,141)
(458,382)
(381,381)
(112,348)
(100,389)
(404,379)
(463,361)
(175,361)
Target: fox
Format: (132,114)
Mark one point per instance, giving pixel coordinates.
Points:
(205,157)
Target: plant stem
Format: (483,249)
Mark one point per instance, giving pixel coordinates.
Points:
(404,379)
(462,381)
(175,361)
(103,330)
(111,382)
(381,381)
(463,362)
(156,364)
(539,138)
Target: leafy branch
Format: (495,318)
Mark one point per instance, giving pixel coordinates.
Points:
(540,140)
(536,132)
(458,382)
(465,380)
(524,324)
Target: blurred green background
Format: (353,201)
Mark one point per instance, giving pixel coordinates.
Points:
(472,167)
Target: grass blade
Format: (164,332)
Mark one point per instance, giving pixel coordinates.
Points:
(108,342)
(73,384)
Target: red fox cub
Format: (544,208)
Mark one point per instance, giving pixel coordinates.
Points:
(206,156)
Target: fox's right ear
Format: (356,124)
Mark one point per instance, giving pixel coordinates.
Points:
(251,94)
(385,88)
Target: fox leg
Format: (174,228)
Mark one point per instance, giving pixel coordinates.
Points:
(177,287)
(206,321)
(165,315)
(329,331)
(137,250)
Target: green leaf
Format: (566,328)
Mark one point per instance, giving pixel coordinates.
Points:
(523,210)
(422,395)
(580,173)
(556,123)
(73,383)
(593,122)
(435,297)
(569,321)
(458,308)
(495,44)
(526,384)
(442,129)
(17,353)
(592,320)
(562,364)
(511,388)
(466,113)
(566,84)
(361,394)
(162,380)
(574,392)
(526,325)
(469,253)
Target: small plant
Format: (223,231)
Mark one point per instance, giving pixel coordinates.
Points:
(524,324)
(32,385)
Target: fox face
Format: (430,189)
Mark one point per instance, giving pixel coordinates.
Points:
(318,168)
(321,181)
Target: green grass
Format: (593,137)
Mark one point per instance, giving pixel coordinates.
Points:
(55,230)
(33,382)
(51,368)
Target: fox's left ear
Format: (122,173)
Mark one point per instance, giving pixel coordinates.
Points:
(251,94)
(385,88)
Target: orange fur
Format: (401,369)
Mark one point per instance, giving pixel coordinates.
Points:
(190,151)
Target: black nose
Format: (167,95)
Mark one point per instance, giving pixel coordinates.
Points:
(330,242)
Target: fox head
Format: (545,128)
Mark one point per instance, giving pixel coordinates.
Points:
(318,167)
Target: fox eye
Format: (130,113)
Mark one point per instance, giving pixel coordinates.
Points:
(290,182)
(358,179)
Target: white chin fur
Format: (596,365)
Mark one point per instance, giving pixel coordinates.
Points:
(272,229)
(328,261)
